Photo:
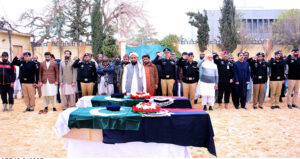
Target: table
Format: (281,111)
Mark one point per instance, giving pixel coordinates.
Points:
(97,101)
(185,127)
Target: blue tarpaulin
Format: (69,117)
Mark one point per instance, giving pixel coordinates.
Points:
(145,49)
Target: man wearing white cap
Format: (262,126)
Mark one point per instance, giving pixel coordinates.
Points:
(134,77)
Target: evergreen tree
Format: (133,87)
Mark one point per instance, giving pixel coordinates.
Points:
(77,15)
(228,33)
(199,21)
(109,47)
(97,29)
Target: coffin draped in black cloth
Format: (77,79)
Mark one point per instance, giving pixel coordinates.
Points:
(182,128)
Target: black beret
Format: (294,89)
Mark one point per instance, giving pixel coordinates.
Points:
(277,52)
(4,53)
(190,54)
(167,50)
(47,53)
(86,54)
(27,53)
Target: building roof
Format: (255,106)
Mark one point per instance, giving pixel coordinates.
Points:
(15,33)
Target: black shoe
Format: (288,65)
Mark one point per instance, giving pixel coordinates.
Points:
(204,108)
(295,106)
(290,107)
(277,106)
(236,107)
(196,101)
(210,108)
(280,100)
(261,107)
(26,110)
(46,108)
(255,107)
(54,109)
(273,107)
(244,108)
(31,110)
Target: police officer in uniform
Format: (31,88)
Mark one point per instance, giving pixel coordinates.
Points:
(29,77)
(259,74)
(225,70)
(7,79)
(168,73)
(190,77)
(277,67)
(87,74)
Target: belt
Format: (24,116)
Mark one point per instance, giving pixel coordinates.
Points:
(278,77)
(189,78)
(167,76)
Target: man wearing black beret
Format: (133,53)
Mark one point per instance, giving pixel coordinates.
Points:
(29,77)
(293,61)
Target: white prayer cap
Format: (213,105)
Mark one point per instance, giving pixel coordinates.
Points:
(133,53)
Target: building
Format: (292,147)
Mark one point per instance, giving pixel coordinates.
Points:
(257,23)
(20,42)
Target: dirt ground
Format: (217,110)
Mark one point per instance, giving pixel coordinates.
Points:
(238,133)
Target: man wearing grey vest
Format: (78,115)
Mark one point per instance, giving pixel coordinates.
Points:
(134,77)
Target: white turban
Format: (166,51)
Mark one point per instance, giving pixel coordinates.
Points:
(133,53)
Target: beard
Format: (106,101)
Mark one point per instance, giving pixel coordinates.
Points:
(4,60)
(296,55)
(134,63)
(67,57)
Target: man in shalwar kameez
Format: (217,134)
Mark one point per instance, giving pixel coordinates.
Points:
(241,74)
(134,77)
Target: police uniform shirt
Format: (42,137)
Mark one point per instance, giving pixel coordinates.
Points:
(276,69)
(28,71)
(259,72)
(190,72)
(86,71)
(168,67)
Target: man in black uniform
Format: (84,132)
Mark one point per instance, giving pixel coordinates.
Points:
(259,74)
(87,74)
(190,76)
(276,66)
(293,61)
(225,70)
(39,89)
(7,79)
(168,67)
(158,67)
(29,77)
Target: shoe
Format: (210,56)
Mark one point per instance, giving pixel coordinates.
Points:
(204,108)
(244,108)
(255,107)
(295,106)
(277,106)
(46,108)
(273,107)
(260,107)
(236,107)
(210,108)
(26,110)
(290,107)
(196,101)
(54,109)
(280,100)
(31,110)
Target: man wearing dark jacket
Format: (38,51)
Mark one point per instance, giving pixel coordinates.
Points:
(7,79)
(293,61)
(29,77)
(276,66)
(225,70)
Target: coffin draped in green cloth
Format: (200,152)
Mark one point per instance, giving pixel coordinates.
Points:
(100,118)
(100,101)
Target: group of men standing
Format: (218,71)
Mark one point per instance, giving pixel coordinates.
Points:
(212,77)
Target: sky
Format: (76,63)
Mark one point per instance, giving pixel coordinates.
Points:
(167,16)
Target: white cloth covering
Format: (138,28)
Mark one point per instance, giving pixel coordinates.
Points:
(89,149)
(85,101)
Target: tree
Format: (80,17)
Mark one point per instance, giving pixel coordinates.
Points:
(228,33)
(77,15)
(124,15)
(97,29)
(109,47)
(170,41)
(286,30)
(199,21)
(145,36)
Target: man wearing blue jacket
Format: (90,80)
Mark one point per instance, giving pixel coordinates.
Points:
(241,74)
